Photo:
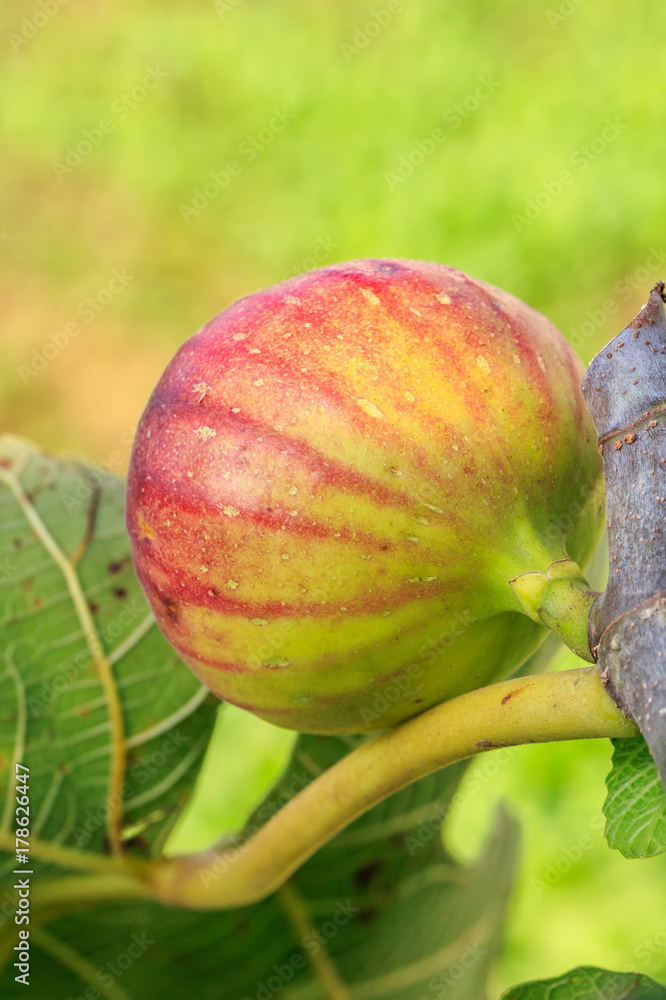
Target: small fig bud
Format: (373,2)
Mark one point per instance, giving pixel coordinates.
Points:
(336,480)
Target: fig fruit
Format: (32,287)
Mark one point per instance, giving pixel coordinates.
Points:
(340,482)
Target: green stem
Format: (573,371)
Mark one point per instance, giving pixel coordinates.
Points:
(65,857)
(561,600)
(79,890)
(548,707)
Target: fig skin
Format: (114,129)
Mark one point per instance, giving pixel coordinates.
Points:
(336,478)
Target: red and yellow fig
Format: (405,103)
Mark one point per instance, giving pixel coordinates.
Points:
(336,480)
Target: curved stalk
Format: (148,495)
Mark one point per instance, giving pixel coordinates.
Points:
(80,890)
(548,707)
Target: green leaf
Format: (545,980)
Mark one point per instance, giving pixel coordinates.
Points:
(588,983)
(87,682)
(388,910)
(635,807)
(383,912)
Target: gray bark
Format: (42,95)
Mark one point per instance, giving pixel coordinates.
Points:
(625,392)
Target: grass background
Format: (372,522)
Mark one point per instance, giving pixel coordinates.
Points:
(356,105)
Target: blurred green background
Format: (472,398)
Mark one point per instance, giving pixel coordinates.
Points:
(545,177)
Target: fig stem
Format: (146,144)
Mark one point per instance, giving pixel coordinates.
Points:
(536,709)
(65,857)
(560,599)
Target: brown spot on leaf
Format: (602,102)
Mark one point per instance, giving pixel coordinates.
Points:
(368,873)
(118,566)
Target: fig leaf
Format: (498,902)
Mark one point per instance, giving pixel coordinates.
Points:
(635,807)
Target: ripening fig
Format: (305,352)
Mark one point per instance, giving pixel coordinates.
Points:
(349,493)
